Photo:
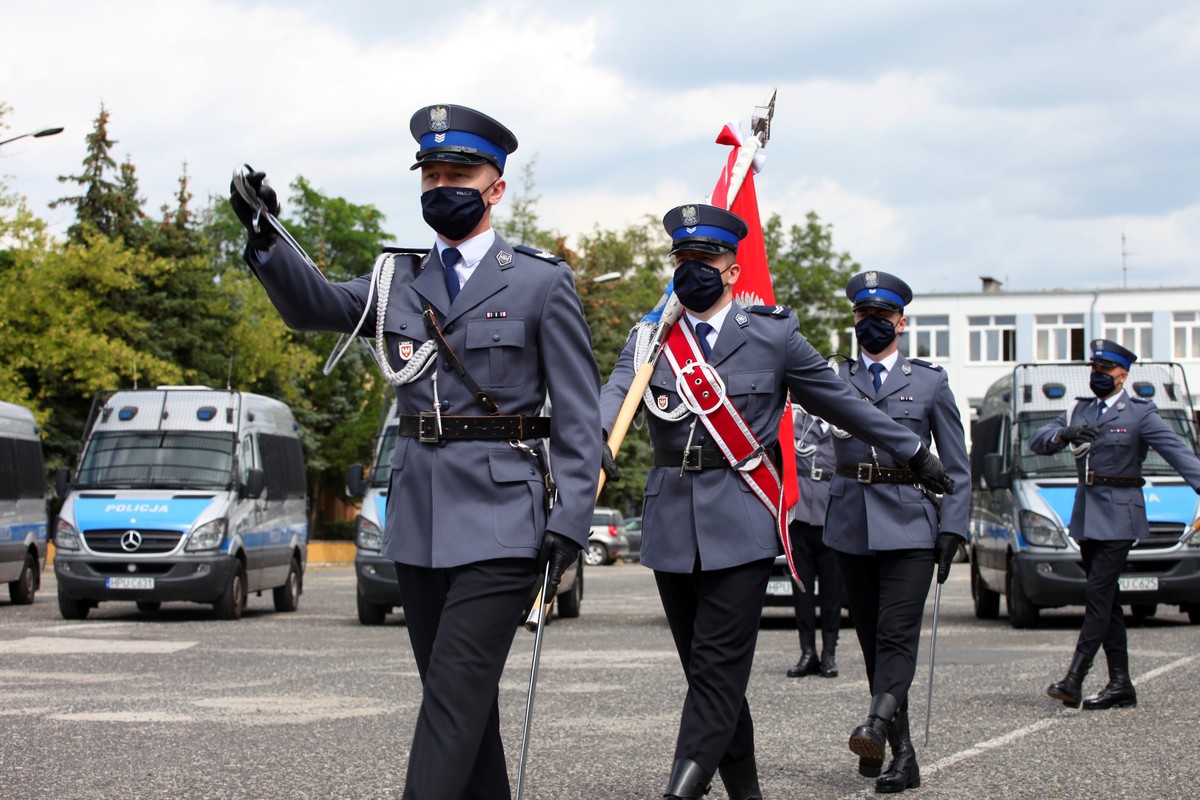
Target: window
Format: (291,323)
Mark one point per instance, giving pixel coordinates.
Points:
(927,336)
(1058,337)
(992,338)
(283,463)
(1131,330)
(21,470)
(1185,333)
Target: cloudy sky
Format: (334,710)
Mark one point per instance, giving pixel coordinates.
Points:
(943,140)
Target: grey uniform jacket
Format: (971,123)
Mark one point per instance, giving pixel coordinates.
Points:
(1127,430)
(815,471)
(760,356)
(518,328)
(865,518)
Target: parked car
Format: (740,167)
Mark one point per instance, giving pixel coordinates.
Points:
(607,541)
(632,528)
(781,587)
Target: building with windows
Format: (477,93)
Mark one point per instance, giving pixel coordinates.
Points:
(979,337)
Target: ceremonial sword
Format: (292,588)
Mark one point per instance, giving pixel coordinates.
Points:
(541,611)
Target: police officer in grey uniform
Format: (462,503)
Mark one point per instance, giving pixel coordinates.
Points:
(476,336)
(888,532)
(1109,434)
(708,538)
(815,465)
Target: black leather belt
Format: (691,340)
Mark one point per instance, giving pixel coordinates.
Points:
(1097,479)
(424,427)
(869,473)
(694,459)
(819,474)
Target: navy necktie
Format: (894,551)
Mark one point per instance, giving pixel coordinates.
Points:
(450,257)
(1101,407)
(703,329)
(876,375)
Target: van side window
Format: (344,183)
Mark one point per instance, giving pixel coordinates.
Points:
(986,438)
(22,473)
(283,463)
(247,459)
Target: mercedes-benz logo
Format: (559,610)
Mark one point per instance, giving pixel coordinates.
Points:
(130,541)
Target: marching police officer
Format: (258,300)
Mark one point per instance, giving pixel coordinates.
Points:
(468,335)
(888,532)
(711,521)
(814,470)
(1109,435)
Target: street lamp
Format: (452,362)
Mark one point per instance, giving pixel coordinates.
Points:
(34,134)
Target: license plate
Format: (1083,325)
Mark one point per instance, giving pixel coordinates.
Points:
(781,588)
(129,583)
(1137,584)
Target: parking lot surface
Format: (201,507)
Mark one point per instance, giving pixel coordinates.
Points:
(313,705)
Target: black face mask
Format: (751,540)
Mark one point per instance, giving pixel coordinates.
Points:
(453,211)
(698,285)
(874,334)
(1102,384)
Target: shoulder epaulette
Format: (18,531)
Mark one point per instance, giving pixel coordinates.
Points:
(1086,398)
(412,251)
(927,364)
(771,311)
(542,254)
(1134,399)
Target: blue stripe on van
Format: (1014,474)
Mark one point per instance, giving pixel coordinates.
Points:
(173,513)
(381,509)
(1166,504)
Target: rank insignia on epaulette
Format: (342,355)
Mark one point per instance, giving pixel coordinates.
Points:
(662,401)
(503,258)
(406,350)
(906,369)
(495,315)
(741,319)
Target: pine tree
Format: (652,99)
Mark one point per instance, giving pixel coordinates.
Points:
(110,207)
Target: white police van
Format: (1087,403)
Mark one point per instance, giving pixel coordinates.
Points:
(183,494)
(378,592)
(23,521)
(1021,501)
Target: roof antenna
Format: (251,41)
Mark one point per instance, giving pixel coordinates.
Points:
(229,377)
(135,370)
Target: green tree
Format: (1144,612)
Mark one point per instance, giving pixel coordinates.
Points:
(810,276)
(108,206)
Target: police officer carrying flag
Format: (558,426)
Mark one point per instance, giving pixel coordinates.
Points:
(1109,434)
(889,533)
(475,336)
(712,516)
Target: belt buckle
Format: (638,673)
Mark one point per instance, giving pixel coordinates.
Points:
(691,459)
(1088,477)
(816,473)
(864,472)
(427,427)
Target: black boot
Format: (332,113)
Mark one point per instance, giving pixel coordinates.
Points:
(1070,689)
(808,663)
(688,781)
(869,739)
(903,773)
(1119,693)
(741,780)
(828,661)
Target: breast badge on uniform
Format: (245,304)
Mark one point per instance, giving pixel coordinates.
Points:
(406,350)
(662,400)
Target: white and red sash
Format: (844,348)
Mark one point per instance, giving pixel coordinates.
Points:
(703,392)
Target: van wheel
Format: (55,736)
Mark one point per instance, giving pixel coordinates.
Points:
(287,597)
(148,606)
(569,602)
(232,601)
(1193,612)
(22,589)
(596,555)
(72,607)
(987,602)
(370,613)
(1021,610)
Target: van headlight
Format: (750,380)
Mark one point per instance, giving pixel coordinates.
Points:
(65,535)
(1042,531)
(207,537)
(368,535)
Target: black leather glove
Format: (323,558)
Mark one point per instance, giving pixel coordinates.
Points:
(609,464)
(559,552)
(264,237)
(930,472)
(944,550)
(1078,434)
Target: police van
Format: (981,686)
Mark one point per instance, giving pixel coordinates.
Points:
(1021,502)
(378,593)
(183,494)
(23,525)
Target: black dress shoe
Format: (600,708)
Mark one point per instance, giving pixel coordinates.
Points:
(1119,693)
(1070,689)
(808,664)
(829,667)
(869,740)
(688,781)
(902,773)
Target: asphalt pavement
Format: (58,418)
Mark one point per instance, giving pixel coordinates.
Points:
(311,704)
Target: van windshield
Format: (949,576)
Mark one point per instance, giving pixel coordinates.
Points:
(158,460)
(383,462)
(1062,464)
